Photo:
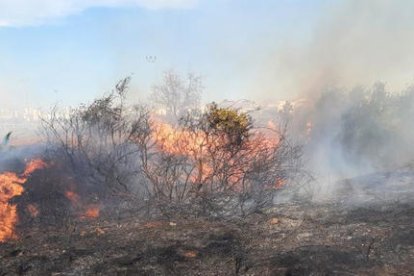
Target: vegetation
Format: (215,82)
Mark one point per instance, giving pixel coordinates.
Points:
(211,163)
(364,127)
(177,95)
(232,123)
(138,194)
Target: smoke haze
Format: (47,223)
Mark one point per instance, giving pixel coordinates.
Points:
(354,43)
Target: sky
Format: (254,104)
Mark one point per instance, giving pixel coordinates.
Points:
(70,51)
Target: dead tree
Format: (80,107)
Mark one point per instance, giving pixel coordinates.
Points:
(177,95)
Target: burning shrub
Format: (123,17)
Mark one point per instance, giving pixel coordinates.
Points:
(217,161)
(213,161)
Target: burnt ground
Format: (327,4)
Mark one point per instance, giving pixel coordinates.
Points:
(294,238)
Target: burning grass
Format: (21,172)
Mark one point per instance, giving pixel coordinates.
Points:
(11,185)
(84,211)
(91,212)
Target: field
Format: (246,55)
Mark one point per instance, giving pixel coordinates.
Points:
(337,237)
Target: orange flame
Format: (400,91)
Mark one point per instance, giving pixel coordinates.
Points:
(197,146)
(280,183)
(73,197)
(177,141)
(92,212)
(34,165)
(89,212)
(11,186)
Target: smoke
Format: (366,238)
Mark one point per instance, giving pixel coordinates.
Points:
(14,158)
(354,43)
(354,69)
(357,132)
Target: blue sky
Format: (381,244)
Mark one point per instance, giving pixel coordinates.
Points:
(74,57)
(70,51)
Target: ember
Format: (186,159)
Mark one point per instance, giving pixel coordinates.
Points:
(91,212)
(84,211)
(33,210)
(73,197)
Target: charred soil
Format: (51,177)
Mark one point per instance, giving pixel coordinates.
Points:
(290,239)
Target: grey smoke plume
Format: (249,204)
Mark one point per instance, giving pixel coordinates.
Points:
(354,43)
(355,71)
(358,132)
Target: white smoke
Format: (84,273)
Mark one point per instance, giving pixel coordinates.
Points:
(353,43)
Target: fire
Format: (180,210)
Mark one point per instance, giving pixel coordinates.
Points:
(280,183)
(177,141)
(34,165)
(11,185)
(180,142)
(73,197)
(8,216)
(198,147)
(91,211)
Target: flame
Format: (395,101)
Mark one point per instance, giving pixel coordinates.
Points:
(11,185)
(8,216)
(197,146)
(190,254)
(92,212)
(73,197)
(34,165)
(178,141)
(280,183)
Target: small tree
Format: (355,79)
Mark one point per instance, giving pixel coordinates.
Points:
(177,95)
